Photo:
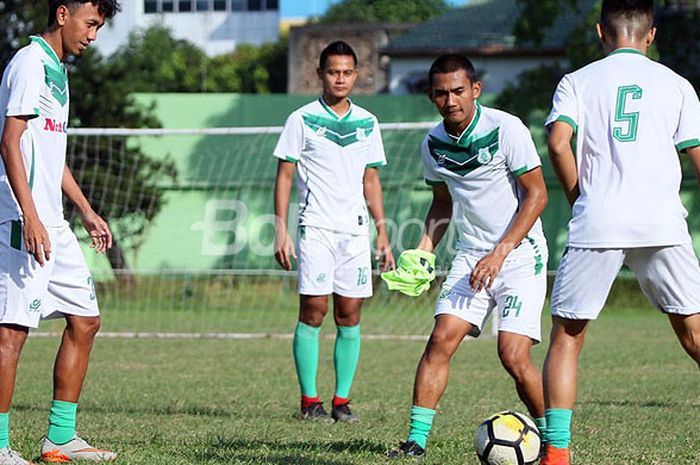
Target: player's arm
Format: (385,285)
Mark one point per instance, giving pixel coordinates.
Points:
(97,228)
(563,159)
(36,239)
(438,218)
(694,154)
(530,208)
(373,196)
(284,247)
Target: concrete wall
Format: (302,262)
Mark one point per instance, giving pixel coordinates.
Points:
(307,42)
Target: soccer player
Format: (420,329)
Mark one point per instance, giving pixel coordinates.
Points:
(43,273)
(336,148)
(630,115)
(485,174)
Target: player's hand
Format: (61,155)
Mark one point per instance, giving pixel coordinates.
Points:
(486,269)
(36,240)
(284,249)
(99,232)
(384,255)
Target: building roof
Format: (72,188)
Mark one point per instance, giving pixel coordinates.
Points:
(484,27)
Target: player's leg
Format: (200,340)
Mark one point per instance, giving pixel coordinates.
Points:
(582,284)
(514,351)
(352,283)
(23,293)
(12,338)
(459,312)
(73,294)
(316,270)
(519,291)
(670,279)
(346,355)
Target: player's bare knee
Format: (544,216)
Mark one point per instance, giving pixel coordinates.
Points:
(515,359)
(440,348)
(85,327)
(12,340)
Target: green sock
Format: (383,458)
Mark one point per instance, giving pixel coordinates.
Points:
(541,424)
(558,427)
(306,357)
(4,430)
(62,422)
(347,353)
(421,424)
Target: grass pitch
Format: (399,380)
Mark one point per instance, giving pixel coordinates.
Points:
(234,402)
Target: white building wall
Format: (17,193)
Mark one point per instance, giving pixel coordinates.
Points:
(495,72)
(216,32)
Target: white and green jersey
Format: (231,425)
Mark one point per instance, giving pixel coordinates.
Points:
(35,84)
(632,115)
(480,168)
(331,154)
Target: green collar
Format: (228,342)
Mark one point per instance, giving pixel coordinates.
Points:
(332,112)
(47,48)
(465,134)
(633,51)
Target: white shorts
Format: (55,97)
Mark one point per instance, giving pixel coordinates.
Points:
(669,277)
(333,263)
(518,291)
(29,292)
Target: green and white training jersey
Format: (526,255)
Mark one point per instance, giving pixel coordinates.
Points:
(331,154)
(35,84)
(632,115)
(480,168)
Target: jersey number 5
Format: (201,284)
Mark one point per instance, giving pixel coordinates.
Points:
(621,116)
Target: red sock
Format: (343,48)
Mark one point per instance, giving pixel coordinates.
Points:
(307,401)
(339,401)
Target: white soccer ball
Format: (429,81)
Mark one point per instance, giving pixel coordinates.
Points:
(508,438)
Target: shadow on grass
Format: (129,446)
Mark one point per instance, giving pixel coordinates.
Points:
(284,452)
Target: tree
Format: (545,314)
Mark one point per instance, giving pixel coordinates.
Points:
(122,183)
(18,19)
(388,11)
(250,69)
(156,62)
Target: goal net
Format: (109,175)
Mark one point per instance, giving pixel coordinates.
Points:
(192,216)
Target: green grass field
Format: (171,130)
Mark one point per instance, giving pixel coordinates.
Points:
(234,402)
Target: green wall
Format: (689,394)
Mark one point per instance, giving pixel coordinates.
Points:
(218,212)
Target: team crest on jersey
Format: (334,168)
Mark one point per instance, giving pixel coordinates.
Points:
(321,131)
(361,134)
(484,156)
(441,158)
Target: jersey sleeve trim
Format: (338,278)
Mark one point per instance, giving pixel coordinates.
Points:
(522,170)
(688,144)
(376,164)
(431,182)
(568,120)
(290,159)
(22,111)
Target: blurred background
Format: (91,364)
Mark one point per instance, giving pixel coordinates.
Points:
(175,111)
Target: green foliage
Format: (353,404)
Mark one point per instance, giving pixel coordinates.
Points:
(157,62)
(250,69)
(536,16)
(384,11)
(121,182)
(18,19)
(678,42)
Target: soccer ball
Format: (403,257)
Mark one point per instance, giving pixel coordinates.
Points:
(508,438)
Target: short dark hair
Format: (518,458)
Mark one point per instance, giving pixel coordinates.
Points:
(632,18)
(449,64)
(107,8)
(337,48)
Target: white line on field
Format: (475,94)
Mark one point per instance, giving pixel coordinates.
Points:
(235,336)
